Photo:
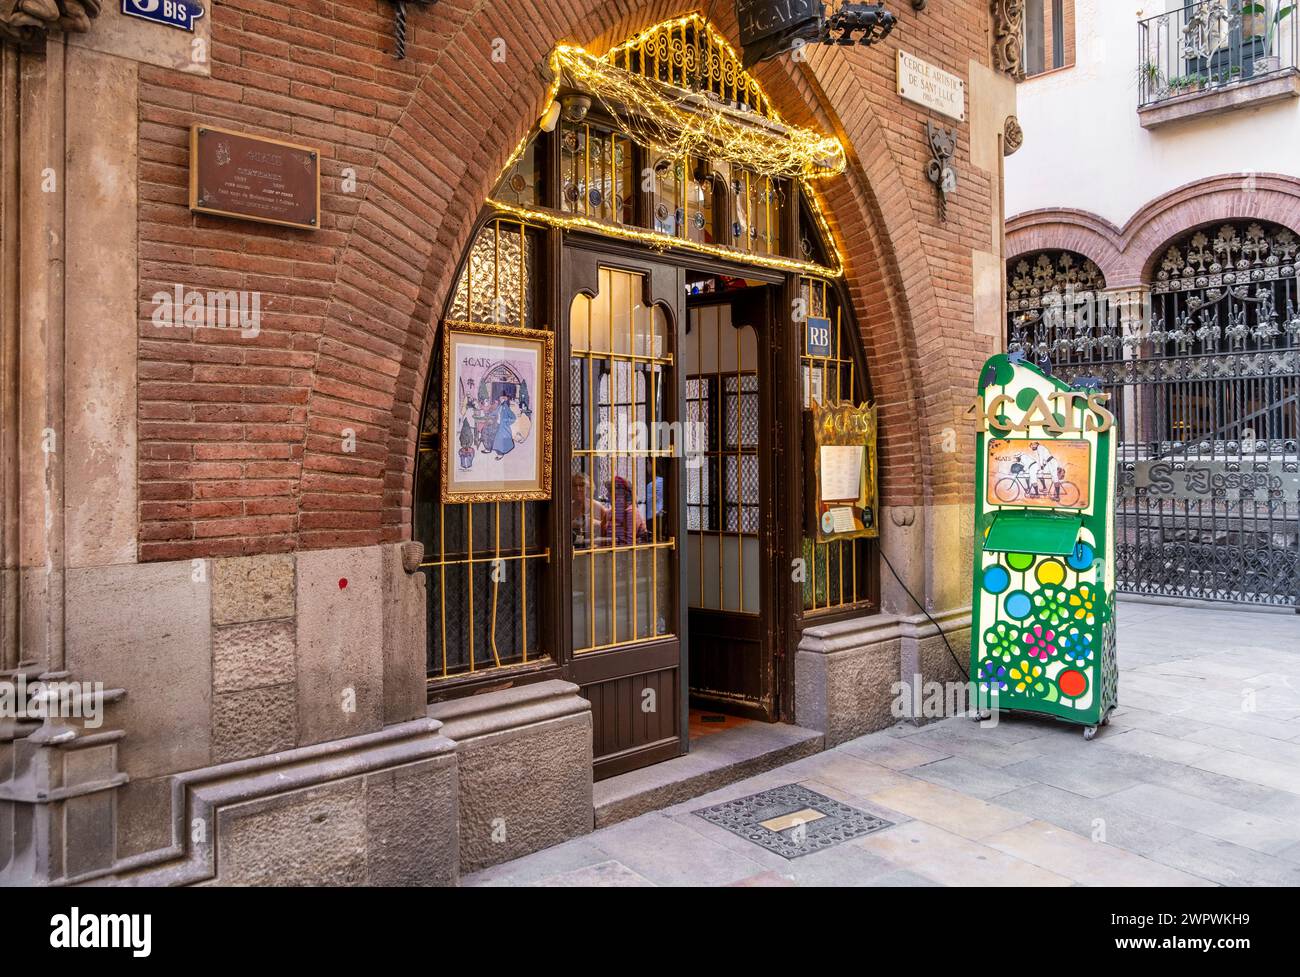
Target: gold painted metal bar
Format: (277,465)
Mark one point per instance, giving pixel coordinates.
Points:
(442,583)
(749,213)
(613,497)
(591,406)
(523,276)
(832,356)
(767,203)
(539,555)
(839,345)
(523,576)
(722,401)
(652,523)
(496,586)
(632,396)
(469,574)
(630,357)
(701,406)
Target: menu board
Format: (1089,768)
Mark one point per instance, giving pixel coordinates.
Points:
(237,175)
(841,467)
(841,500)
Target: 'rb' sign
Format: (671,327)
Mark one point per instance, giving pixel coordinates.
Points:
(819,337)
(180,14)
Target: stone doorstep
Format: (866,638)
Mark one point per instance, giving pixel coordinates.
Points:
(877,629)
(715,761)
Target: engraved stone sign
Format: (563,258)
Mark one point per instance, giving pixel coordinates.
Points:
(931,86)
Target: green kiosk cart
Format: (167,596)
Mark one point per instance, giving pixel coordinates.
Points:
(1043,617)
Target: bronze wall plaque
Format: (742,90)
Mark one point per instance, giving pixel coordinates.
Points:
(237,175)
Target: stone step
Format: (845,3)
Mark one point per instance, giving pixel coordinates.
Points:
(714,761)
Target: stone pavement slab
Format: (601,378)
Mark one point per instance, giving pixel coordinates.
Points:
(951,859)
(1051,847)
(1196,781)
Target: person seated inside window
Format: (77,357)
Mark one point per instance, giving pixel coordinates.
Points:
(587,513)
(651,502)
(624,519)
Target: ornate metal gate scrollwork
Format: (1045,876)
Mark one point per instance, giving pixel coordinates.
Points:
(1204,377)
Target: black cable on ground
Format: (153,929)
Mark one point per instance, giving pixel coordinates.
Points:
(960,667)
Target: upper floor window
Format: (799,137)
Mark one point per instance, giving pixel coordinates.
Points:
(1049,35)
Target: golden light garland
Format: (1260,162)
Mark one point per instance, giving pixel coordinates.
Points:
(680,123)
(664,242)
(690,123)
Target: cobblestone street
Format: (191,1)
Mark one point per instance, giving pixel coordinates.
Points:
(1195,782)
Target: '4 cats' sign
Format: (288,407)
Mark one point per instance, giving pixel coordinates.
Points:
(180,14)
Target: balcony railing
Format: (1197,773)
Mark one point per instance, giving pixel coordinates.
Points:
(1214,44)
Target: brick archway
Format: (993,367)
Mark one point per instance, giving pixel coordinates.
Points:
(1067,230)
(365,497)
(1126,255)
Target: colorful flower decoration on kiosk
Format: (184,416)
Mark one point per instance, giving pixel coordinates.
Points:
(996,579)
(1018,605)
(1028,677)
(1080,559)
(1040,642)
(1050,573)
(1072,683)
(1020,562)
(1075,646)
(993,676)
(1088,604)
(1002,641)
(1052,606)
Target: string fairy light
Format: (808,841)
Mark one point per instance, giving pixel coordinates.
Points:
(680,123)
(679,89)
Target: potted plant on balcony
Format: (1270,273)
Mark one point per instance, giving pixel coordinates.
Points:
(1186,84)
(1262,18)
(1151,79)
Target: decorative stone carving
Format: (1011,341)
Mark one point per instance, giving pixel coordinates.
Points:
(902,516)
(943,145)
(1013,137)
(1008,31)
(28,21)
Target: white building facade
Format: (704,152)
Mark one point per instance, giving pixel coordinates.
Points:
(1153,240)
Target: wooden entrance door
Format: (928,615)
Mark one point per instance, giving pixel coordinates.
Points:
(622,487)
(727,503)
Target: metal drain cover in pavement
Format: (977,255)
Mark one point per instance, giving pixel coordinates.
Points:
(792,820)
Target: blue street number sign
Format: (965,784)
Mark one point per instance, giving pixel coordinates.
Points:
(819,336)
(180,14)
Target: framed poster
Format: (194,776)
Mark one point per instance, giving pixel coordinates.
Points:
(496,408)
(1046,473)
(842,491)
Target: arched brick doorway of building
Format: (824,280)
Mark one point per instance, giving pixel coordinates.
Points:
(651,574)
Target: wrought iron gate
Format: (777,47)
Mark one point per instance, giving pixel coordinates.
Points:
(1204,376)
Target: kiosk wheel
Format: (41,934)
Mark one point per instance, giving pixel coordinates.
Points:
(1089,732)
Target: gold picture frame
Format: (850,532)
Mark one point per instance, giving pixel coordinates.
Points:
(497,412)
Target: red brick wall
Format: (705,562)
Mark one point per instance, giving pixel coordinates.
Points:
(241,447)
